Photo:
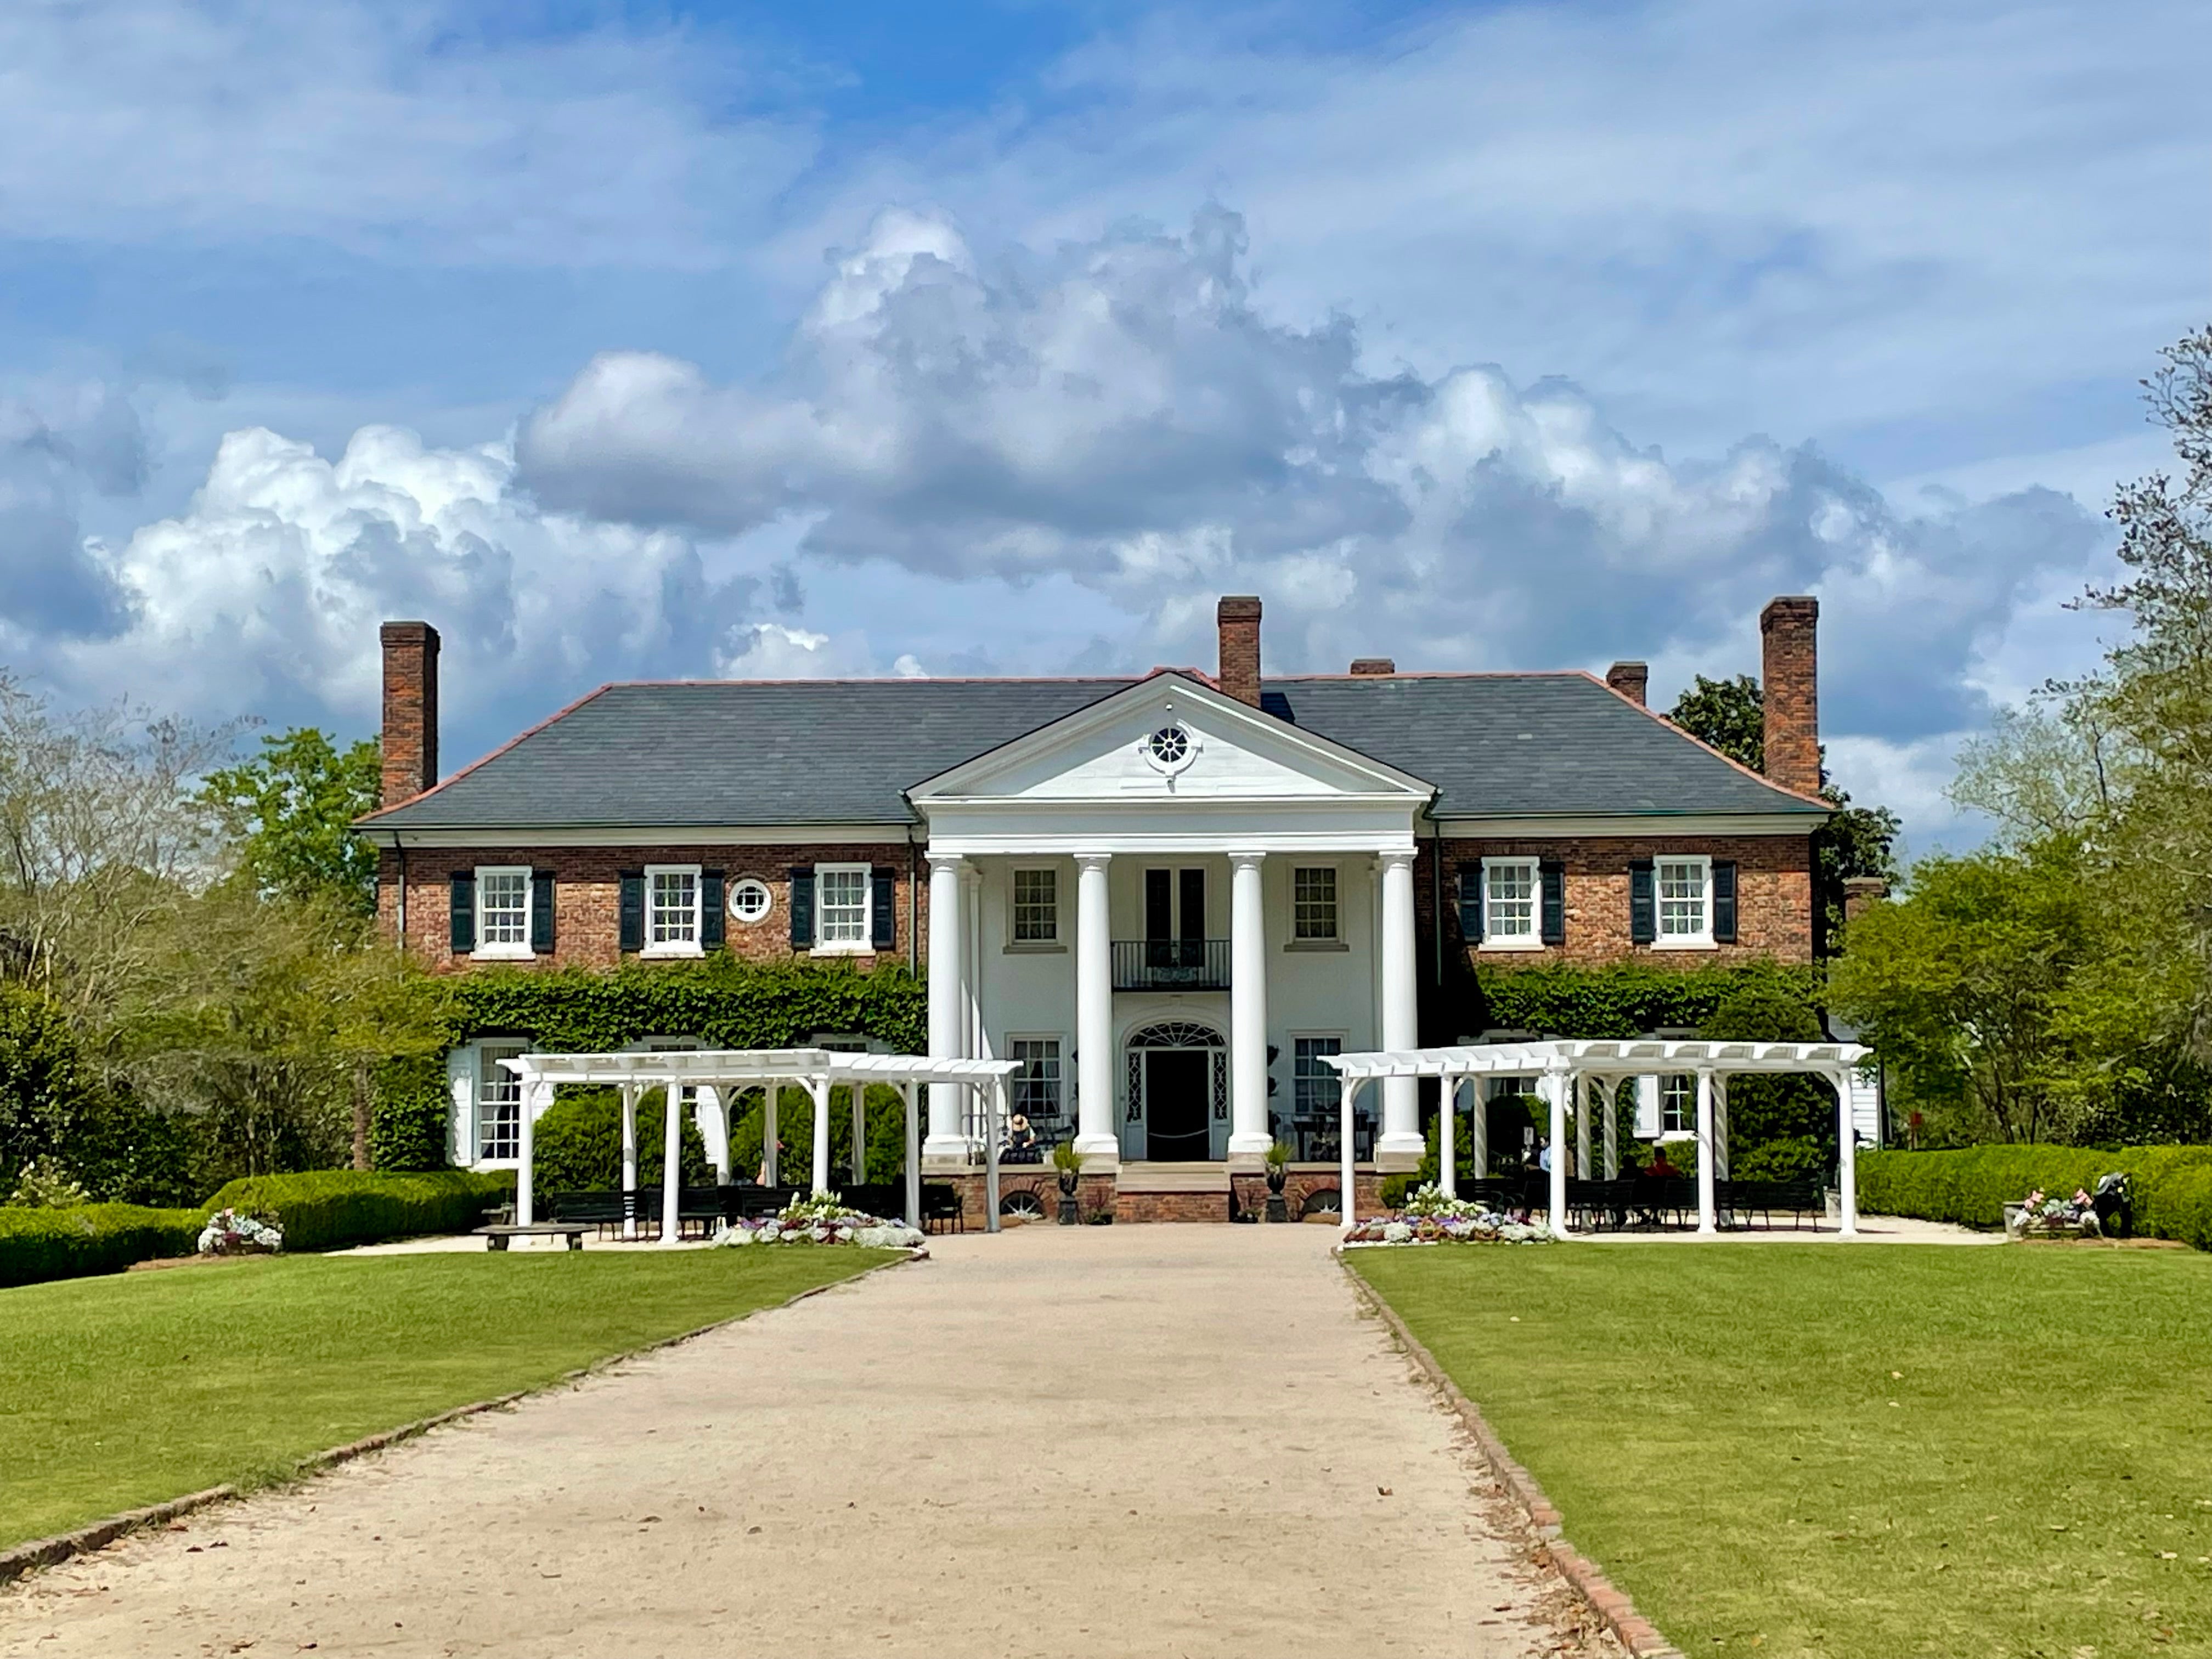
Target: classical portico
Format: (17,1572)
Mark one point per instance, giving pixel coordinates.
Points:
(1171,860)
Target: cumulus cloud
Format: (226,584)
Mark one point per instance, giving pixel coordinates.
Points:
(56,444)
(264,595)
(1119,413)
(773,651)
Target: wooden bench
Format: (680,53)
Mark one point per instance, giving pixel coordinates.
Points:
(495,1236)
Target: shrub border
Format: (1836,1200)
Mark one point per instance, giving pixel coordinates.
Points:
(23,1559)
(1584,1576)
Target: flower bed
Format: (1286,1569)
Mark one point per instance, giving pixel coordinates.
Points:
(228,1233)
(1430,1217)
(821,1221)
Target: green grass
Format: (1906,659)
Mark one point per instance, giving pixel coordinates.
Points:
(123,1391)
(1716,1426)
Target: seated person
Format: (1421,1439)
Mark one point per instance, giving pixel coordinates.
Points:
(1659,1169)
(1021,1140)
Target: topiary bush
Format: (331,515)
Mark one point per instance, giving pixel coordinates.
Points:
(577,1144)
(2172,1185)
(330,1209)
(37,1245)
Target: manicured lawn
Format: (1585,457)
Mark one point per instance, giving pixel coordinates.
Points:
(122,1391)
(1854,1452)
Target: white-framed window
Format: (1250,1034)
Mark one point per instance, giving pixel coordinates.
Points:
(1313,903)
(671,910)
(1678,1104)
(1036,907)
(502,910)
(1682,895)
(751,900)
(499,1103)
(1038,1092)
(842,919)
(1512,902)
(1317,1090)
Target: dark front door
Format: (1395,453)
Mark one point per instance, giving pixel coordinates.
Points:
(1176,1082)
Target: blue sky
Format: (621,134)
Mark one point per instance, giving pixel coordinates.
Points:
(626,340)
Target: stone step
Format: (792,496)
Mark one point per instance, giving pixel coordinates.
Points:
(1173,1178)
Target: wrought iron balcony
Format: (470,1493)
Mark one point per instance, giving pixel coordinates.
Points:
(1170,965)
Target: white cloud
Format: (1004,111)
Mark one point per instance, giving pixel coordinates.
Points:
(265,594)
(772,651)
(1117,413)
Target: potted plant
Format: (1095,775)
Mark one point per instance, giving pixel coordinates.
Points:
(1067,1165)
(1278,1171)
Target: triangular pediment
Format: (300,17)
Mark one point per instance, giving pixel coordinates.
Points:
(1120,748)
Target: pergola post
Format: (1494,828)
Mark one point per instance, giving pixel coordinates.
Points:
(1555,1085)
(994,1094)
(1847,1159)
(1478,1128)
(630,1159)
(860,1092)
(1447,1162)
(1708,1222)
(671,1172)
(1609,1088)
(818,1087)
(912,1156)
(1345,1089)
(526,1152)
(1720,1126)
(1581,1127)
(771,1165)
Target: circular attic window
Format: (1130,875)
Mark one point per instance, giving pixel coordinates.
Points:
(1168,748)
(749,900)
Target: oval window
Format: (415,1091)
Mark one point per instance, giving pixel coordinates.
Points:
(751,900)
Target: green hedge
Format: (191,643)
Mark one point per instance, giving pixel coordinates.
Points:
(413,1106)
(329,1209)
(37,1245)
(2172,1186)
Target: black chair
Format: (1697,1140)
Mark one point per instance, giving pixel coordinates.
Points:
(940,1204)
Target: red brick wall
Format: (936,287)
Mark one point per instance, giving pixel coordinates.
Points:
(1789,677)
(1774,897)
(587,896)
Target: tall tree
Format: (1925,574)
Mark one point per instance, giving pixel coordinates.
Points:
(1858,841)
(288,810)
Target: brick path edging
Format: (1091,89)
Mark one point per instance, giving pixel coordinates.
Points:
(1582,1575)
(26,1559)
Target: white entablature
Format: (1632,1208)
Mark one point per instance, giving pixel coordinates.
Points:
(1171,765)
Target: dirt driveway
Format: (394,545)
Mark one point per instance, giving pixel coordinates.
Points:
(1132,1440)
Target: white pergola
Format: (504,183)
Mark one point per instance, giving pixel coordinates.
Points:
(1562,1068)
(728,1071)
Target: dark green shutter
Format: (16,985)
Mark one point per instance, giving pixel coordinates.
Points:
(882,913)
(1643,904)
(1554,876)
(712,913)
(1723,901)
(633,909)
(541,913)
(802,907)
(1470,903)
(464,914)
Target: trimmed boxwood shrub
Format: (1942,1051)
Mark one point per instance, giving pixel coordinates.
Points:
(37,1245)
(578,1144)
(329,1209)
(2172,1185)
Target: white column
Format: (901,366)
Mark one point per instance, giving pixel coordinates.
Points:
(1094,1013)
(1708,1221)
(947,1009)
(1555,1091)
(993,1095)
(630,1159)
(1847,1159)
(1400,1146)
(860,1093)
(671,1171)
(976,1099)
(1478,1127)
(1248,1009)
(771,1161)
(912,1156)
(1447,1163)
(1720,1127)
(714,1128)
(1581,1127)
(1611,1087)
(818,1088)
(536,1097)
(1347,1210)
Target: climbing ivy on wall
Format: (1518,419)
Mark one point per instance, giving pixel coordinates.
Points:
(1628,1000)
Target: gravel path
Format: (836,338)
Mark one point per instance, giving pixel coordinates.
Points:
(1166,1440)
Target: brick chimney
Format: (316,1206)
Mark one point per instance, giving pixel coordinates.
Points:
(1377,667)
(1238,617)
(1861,893)
(1631,679)
(411,710)
(1789,682)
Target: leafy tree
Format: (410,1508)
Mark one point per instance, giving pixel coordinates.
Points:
(1858,841)
(1780,1128)
(288,812)
(45,1095)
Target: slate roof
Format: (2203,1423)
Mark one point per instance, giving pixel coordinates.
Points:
(690,754)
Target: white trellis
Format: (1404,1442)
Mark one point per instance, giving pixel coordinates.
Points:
(728,1073)
(1563,1071)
